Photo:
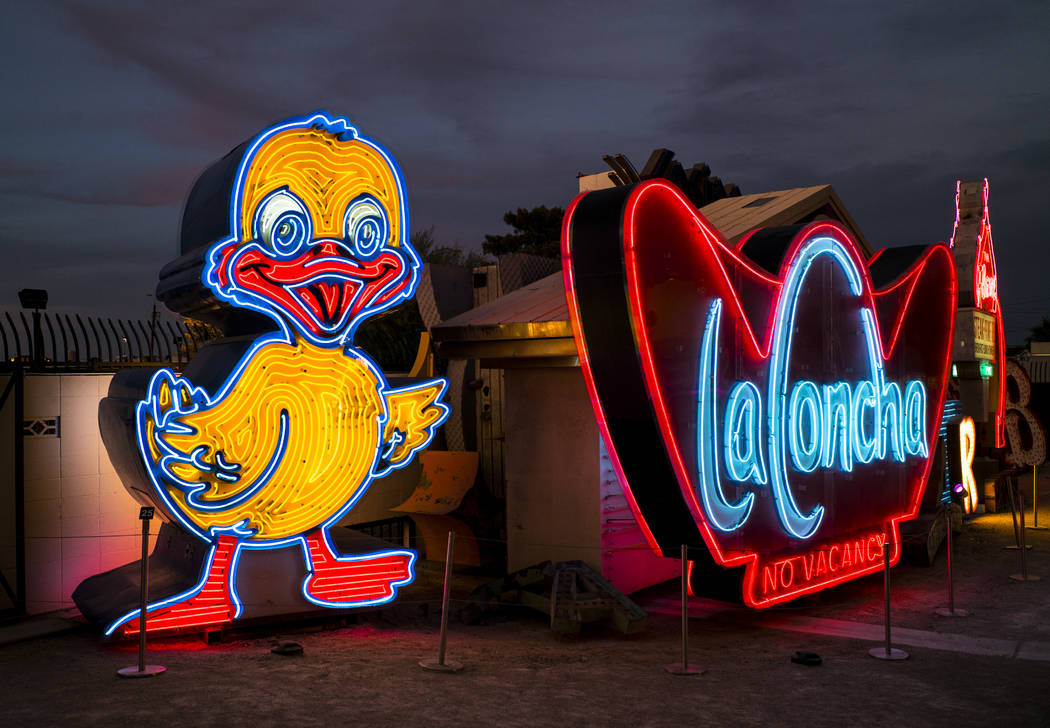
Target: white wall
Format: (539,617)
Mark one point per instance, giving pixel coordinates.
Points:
(552,469)
(79,519)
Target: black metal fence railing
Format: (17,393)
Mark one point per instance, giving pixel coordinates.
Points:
(71,342)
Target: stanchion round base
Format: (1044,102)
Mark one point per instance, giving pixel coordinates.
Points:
(1024,577)
(1027,547)
(948,612)
(880,653)
(446,666)
(680,669)
(150,671)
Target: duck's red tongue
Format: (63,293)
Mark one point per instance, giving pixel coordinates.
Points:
(328,299)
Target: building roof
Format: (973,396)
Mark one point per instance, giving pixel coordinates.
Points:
(736,216)
(533,321)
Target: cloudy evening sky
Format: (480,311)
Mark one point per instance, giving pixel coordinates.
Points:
(110,110)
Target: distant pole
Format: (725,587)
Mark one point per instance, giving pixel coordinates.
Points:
(1035,499)
(152,327)
(1024,575)
(38,341)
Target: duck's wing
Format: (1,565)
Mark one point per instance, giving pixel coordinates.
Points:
(414,413)
(186,441)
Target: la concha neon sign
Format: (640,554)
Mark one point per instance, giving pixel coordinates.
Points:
(305,421)
(776,402)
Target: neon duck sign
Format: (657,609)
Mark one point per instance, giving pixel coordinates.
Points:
(305,421)
(776,402)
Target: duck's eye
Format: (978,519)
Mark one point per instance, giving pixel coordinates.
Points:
(282,222)
(367,228)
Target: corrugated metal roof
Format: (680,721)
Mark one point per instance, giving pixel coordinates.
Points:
(540,302)
(538,310)
(1038,368)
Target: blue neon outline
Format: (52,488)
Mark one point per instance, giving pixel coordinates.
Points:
(224,504)
(863,448)
(895,433)
(791,519)
(949,412)
(244,299)
(260,235)
(832,432)
(749,466)
(445,411)
(357,557)
(721,514)
(878,378)
(825,404)
(180,388)
(917,445)
(189,593)
(382,233)
(805,459)
(149,407)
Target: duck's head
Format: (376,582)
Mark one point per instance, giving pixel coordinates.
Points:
(318,219)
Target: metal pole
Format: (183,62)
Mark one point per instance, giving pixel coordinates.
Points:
(441,665)
(951,611)
(143,595)
(1024,575)
(1024,559)
(948,545)
(684,668)
(1035,499)
(886,580)
(445,596)
(20,487)
(38,341)
(1013,513)
(685,611)
(888,652)
(143,670)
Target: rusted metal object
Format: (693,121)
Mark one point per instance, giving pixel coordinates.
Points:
(570,592)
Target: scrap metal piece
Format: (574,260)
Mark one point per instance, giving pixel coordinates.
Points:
(571,592)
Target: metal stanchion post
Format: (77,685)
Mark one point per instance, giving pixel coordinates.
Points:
(950,610)
(442,665)
(887,652)
(684,668)
(1024,575)
(143,670)
(1035,499)
(1014,499)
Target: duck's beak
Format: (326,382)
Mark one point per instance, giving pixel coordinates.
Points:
(324,290)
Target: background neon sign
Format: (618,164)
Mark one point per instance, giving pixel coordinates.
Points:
(776,402)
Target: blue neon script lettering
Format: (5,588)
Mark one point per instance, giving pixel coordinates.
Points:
(810,425)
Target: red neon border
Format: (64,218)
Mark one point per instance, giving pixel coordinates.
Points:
(585,366)
(984,238)
(636,308)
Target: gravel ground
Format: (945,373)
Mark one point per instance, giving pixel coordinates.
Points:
(517,673)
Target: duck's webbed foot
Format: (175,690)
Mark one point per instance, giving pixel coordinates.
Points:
(212,601)
(353,581)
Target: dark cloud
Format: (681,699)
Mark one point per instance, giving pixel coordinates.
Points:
(112,109)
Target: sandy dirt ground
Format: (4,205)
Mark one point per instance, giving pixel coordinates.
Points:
(517,673)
